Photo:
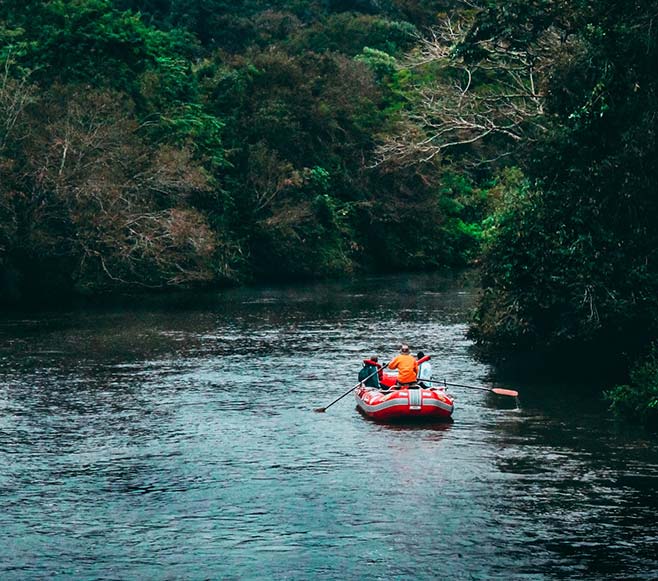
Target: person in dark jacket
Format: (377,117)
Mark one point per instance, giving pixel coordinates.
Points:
(371,368)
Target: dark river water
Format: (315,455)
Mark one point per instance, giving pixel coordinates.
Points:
(176,439)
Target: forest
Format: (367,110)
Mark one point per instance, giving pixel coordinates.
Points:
(158,144)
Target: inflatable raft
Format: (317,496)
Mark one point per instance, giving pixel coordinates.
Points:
(412,403)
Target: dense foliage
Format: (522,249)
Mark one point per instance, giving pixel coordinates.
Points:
(164,143)
(571,264)
(572,256)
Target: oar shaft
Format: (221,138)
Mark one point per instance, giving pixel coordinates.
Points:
(468,386)
(353,388)
(496,390)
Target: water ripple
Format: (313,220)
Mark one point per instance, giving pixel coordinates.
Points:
(180,442)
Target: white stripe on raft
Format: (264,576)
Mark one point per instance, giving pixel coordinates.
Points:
(439,404)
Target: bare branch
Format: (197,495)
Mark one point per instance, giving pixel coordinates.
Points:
(471,101)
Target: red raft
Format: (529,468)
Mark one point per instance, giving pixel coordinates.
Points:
(412,403)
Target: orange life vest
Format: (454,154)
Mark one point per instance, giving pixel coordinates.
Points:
(406,366)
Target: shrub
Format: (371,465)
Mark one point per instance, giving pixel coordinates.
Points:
(638,399)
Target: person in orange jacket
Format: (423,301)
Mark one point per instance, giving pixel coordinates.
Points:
(407,367)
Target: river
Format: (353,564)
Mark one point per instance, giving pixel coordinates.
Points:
(175,438)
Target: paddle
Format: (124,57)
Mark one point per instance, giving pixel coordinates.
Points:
(324,409)
(496,390)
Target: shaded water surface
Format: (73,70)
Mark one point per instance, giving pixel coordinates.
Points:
(176,439)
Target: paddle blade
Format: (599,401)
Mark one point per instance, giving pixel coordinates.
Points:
(510,392)
(320,410)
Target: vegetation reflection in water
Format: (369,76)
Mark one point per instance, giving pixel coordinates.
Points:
(177,440)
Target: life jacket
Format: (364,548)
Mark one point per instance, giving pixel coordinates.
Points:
(379,367)
(406,366)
